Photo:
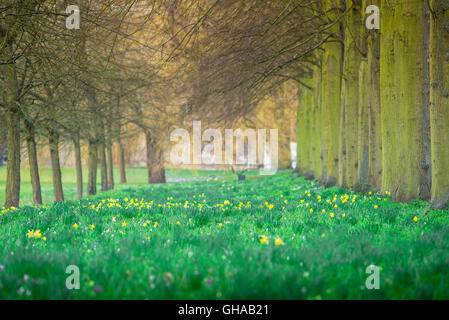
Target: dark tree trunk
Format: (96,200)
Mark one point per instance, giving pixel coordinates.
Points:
(53,139)
(13,162)
(122,161)
(34,167)
(78,165)
(104,167)
(155,165)
(92,168)
(110,164)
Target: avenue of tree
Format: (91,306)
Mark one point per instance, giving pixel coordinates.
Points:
(373,104)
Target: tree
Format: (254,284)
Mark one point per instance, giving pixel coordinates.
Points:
(331,90)
(350,91)
(439,102)
(405,100)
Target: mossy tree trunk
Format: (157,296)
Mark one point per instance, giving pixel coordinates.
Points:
(109,158)
(389,79)
(374,114)
(32,158)
(53,141)
(410,177)
(350,89)
(331,92)
(305,103)
(362,183)
(299,148)
(317,133)
(439,102)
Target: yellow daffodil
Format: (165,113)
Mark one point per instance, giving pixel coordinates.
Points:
(263,240)
(278,242)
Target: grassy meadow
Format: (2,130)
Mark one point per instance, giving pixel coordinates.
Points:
(273,237)
(134,175)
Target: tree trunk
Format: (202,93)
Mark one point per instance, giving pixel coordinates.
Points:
(316,133)
(363,184)
(32,158)
(13,162)
(331,90)
(92,168)
(306,97)
(155,165)
(122,161)
(103,167)
(78,165)
(439,102)
(299,147)
(53,139)
(389,79)
(103,163)
(324,128)
(110,164)
(350,89)
(374,114)
(410,177)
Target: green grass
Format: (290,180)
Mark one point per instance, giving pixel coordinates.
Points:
(215,252)
(135,175)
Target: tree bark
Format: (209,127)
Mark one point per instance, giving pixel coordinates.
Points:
(306,97)
(78,165)
(331,90)
(389,79)
(53,140)
(122,161)
(92,168)
(409,178)
(439,103)
(110,164)
(363,184)
(103,167)
(103,162)
(374,113)
(350,89)
(155,165)
(13,162)
(316,133)
(9,92)
(32,158)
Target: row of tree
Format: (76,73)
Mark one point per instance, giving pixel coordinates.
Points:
(87,86)
(375,111)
